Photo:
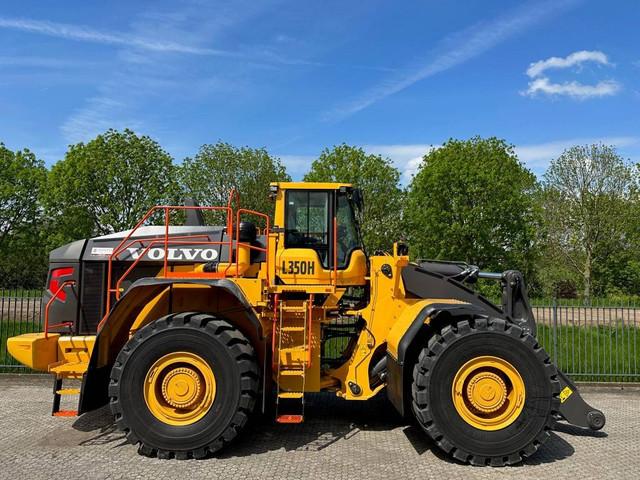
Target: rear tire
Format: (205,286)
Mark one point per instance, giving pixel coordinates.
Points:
(218,348)
(438,368)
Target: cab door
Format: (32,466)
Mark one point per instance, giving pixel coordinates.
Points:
(311,245)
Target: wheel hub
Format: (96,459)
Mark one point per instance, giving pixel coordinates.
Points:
(487,392)
(181,388)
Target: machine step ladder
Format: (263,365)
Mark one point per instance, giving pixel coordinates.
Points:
(68,370)
(58,392)
(292,357)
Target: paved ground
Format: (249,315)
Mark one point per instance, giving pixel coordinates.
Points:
(339,440)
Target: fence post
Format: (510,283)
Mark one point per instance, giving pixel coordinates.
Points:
(554,306)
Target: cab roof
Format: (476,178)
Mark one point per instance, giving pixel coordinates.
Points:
(311,185)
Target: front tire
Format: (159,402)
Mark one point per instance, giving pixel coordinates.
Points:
(184,386)
(485,392)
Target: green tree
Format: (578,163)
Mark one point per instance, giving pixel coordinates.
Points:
(378,180)
(587,195)
(472,200)
(107,185)
(216,169)
(22,255)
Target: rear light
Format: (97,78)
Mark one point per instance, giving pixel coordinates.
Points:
(58,276)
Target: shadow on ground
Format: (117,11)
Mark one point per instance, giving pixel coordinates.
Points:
(328,419)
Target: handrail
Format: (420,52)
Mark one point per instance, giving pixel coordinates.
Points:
(335,251)
(196,239)
(233,193)
(265,250)
(309,358)
(182,241)
(123,245)
(46,309)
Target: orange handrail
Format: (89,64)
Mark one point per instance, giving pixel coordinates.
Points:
(46,309)
(311,298)
(196,239)
(335,251)
(265,250)
(123,244)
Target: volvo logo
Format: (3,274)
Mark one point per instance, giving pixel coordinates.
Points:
(186,254)
(176,254)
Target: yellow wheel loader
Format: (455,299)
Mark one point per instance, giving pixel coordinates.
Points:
(187,330)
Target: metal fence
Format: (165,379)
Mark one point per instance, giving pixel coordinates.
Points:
(599,342)
(20,312)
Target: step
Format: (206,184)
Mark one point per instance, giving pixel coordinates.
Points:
(289,419)
(293,329)
(302,309)
(307,289)
(65,413)
(69,369)
(290,394)
(297,348)
(298,372)
(68,391)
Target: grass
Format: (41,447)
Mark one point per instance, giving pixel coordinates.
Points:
(21,292)
(10,328)
(594,353)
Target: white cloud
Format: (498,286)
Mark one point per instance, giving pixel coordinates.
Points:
(573,89)
(540,83)
(453,51)
(576,58)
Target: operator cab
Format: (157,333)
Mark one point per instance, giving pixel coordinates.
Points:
(319,238)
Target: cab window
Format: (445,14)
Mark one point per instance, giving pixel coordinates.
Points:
(348,239)
(307,222)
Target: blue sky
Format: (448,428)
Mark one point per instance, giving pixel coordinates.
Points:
(295,77)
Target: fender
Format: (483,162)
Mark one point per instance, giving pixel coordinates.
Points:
(115,332)
(404,332)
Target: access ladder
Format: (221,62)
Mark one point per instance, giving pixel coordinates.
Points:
(292,356)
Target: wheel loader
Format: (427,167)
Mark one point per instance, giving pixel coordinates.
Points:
(187,329)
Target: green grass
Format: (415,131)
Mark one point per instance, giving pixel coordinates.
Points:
(21,292)
(9,328)
(596,353)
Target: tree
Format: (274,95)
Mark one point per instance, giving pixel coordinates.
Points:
(107,185)
(586,202)
(472,200)
(379,181)
(216,169)
(22,176)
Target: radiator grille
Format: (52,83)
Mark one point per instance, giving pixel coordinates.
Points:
(93,296)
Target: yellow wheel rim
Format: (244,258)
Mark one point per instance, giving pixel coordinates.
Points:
(179,388)
(488,393)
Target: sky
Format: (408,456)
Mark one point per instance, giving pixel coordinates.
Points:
(396,78)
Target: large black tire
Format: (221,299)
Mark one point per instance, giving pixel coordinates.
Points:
(225,350)
(432,399)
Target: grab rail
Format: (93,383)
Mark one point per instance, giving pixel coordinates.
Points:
(46,309)
(232,244)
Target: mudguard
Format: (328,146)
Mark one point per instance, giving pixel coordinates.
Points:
(115,332)
(402,340)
